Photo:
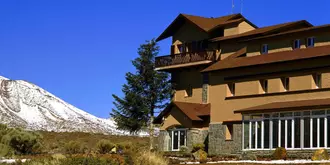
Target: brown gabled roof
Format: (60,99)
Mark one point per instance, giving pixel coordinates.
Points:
(288,106)
(304,30)
(277,57)
(192,110)
(264,30)
(203,23)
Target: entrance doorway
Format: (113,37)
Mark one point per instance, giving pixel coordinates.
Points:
(179,138)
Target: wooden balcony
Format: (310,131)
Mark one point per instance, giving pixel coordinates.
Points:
(184,59)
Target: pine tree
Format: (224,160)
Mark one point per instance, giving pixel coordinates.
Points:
(146,90)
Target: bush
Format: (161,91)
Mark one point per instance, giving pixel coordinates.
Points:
(200,155)
(320,154)
(104,146)
(22,142)
(124,147)
(279,153)
(184,149)
(5,151)
(149,158)
(73,147)
(198,146)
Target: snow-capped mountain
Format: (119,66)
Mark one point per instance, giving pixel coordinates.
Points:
(23,104)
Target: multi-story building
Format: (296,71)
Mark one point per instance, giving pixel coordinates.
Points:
(240,87)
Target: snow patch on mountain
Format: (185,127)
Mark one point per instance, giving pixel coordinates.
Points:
(23,104)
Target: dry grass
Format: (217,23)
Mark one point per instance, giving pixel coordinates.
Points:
(149,158)
(54,142)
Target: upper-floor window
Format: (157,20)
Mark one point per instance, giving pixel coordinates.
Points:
(317,79)
(231,87)
(182,48)
(310,41)
(264,49)
(286,83)
(264,85)
(296,44)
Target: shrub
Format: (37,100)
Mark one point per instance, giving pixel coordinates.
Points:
(73,147)
(149,158)
(200,155)
(279,153)
(104,146)
(5,151)
(22,142)
(320,154)
(124,146)
(198,146)
(184,149)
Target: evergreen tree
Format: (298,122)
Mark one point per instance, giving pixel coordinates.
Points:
(145,91)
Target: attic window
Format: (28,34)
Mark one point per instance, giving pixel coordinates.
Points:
(264,49)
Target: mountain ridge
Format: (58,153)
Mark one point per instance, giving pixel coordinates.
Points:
(24,104)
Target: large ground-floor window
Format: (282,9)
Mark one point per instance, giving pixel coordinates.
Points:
(178,138)
(292,130)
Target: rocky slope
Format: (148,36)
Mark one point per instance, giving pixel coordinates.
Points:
(23,104)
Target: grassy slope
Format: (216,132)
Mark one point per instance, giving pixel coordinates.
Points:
(54,142)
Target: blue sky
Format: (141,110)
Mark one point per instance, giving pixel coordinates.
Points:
(80,50)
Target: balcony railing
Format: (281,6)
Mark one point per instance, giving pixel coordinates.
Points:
(184,58)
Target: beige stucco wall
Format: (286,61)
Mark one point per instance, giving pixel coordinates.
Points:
(275,85)
(228,49)
(254,48)
(248,88)
(244,27)
(301,83)
(176,118)
(230,30)
(183,80)
(188,33)
(222,109)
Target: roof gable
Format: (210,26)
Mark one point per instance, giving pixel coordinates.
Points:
(203,23)
(192,110)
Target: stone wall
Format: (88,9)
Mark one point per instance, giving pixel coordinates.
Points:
(204,93)
(163,141)
(218,144)
(195,136)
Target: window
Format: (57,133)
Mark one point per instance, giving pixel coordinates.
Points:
(264,85)
(286,83)
(317,80)
(182,48)
(296,44)
(264,49)
(229,132)
(310,42)
(292,130)
(178,139)
(189,91)
(231,88)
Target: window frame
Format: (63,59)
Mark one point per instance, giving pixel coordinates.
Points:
(291,137)
(294,44)
(312,44)
(262,49)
